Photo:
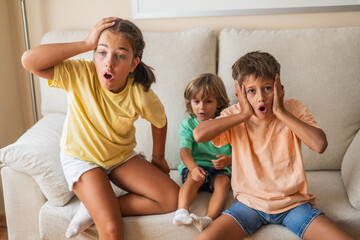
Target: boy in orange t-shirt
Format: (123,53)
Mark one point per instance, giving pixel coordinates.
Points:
(268,180)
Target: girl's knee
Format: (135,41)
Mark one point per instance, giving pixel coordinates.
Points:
(111,227)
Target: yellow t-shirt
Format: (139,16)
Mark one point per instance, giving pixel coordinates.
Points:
(99,126)
(267,167)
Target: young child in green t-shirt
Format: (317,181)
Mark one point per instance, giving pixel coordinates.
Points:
(204,167)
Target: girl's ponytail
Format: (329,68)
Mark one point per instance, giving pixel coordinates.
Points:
(144,75)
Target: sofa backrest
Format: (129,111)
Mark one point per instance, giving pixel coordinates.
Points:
(176,58)
(320,67)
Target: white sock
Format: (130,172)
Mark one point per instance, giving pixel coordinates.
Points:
(81,221)
(182,217)
(200,222)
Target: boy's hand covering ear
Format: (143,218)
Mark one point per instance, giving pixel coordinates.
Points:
(245,106)
(279,93)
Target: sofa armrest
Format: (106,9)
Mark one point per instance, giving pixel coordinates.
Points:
(23,200)
(350,171)
(37,153)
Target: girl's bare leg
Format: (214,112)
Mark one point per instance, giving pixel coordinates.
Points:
(94,190)
(151,191)
(323,228)
(224,227)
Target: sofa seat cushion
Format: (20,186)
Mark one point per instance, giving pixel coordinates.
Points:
(350,171)
(331,198)
(326,185)
(142,227)
(37,153)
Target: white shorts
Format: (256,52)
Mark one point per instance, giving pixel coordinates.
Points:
(75,167)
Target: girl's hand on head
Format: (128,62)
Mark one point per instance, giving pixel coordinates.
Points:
(279,93)
(93,37)
(222,161)
(161,163)
(245,106)
(197,174)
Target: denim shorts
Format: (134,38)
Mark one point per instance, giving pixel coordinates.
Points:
(211,174)
(296,219)
(75,167)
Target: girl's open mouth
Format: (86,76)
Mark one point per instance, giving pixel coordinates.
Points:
(108,76)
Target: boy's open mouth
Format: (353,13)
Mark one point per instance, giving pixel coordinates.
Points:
(262,109)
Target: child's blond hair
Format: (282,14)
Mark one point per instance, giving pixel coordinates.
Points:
(206,84)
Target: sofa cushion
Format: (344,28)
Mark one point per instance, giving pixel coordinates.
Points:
(350,171)
(328,188)
(37,153)
(317,67)
(176,58)
(321,183)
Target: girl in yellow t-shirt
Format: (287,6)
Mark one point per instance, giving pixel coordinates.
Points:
(105,97)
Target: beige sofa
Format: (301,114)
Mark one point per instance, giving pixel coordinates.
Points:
(320,67)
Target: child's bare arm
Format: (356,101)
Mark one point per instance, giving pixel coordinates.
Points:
(312,137)
(197,173)
(207,130)
(158,156)
(42,59)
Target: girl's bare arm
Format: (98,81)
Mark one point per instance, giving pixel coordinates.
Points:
(158,156)
(41,60)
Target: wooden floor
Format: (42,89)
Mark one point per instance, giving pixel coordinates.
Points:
(3,231)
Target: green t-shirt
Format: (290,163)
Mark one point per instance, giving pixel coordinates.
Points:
(202,153)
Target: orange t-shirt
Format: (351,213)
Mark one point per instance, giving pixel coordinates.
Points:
(268,172)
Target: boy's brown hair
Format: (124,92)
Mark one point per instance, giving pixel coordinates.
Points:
(206,84)
(258,64)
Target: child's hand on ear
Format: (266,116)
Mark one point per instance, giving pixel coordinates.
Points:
(279,93)
(93,37)
(245,106)
(222,161)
